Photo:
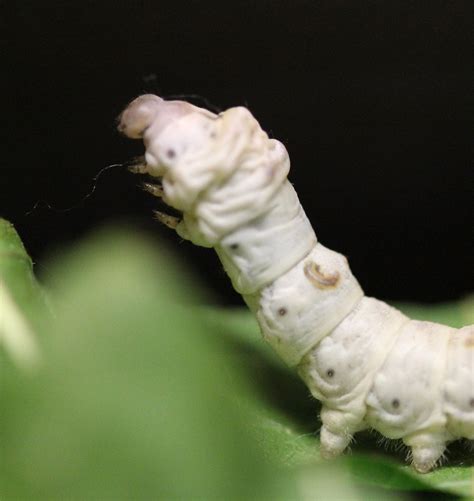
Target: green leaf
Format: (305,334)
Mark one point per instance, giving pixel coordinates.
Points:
(293,435)
(16,271)
(21,299)
(453,314)
(135,398)
(145,393)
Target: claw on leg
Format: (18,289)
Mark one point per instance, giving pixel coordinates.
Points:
(138,166)
(155,189)
(170,221)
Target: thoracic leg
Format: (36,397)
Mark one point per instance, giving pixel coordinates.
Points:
(337,430)
(139,166)
(426,450)
(155,189)
(170,221)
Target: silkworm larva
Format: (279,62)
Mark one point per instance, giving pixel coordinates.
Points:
(370,365)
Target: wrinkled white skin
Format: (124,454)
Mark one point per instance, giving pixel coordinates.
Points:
(369,364)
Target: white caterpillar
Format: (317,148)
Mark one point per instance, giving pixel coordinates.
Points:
(369,365)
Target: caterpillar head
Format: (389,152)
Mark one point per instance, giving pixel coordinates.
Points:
(139,115)
(191,148)
(170,129)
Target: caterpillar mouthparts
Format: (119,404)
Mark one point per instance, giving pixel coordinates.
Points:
(369,364)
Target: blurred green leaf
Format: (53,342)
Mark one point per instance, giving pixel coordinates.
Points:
(452,314)
(136,400)
(21,301)
(369,463)
(144,393)
(16,271)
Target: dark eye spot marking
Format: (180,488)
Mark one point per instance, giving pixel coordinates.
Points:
(234,246)
(170,153)
(395,403)
(213,135)
(471,402)
(282,312)
(330,373)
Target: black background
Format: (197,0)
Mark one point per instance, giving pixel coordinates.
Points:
(373,100)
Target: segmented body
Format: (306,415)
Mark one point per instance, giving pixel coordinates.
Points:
(370,365)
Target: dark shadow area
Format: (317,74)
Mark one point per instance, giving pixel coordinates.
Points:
(372,100)
(281,388)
